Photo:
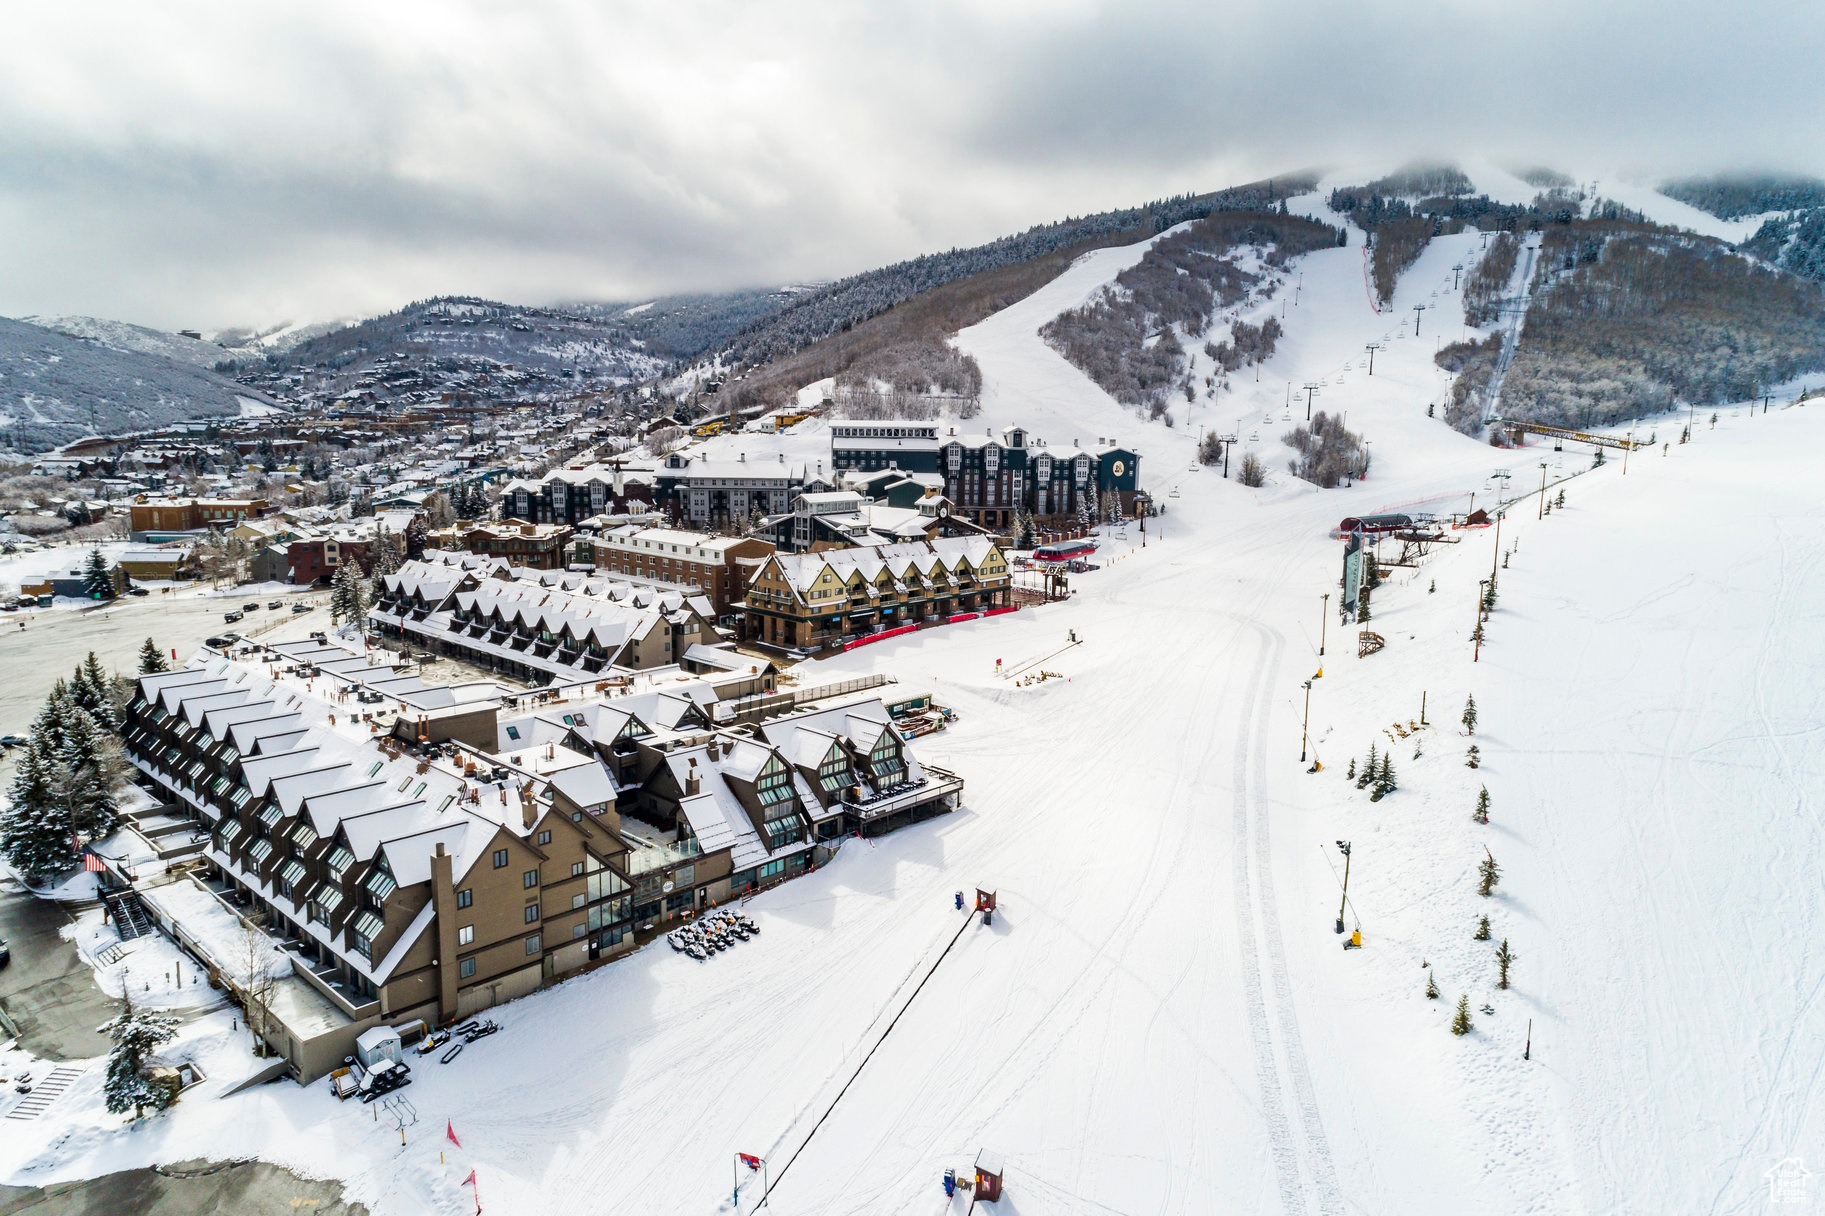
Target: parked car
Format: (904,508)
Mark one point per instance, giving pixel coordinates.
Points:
(13,740)
(218,643)
(276,605)
(137,591)
(231,617)
(296,608)
(253,607)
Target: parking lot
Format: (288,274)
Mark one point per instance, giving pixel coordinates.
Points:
(53,641)
(47,991)
(182,1190)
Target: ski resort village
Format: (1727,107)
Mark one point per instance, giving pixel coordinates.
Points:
(1293,698)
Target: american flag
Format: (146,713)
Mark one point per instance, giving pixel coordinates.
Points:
(91,861)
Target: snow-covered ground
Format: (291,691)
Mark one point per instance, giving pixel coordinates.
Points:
(1160,1018)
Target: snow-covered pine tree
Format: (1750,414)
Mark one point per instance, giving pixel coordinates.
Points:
(1469,718)
(1384,778)
(1351,775)
(1488,874)
(151,658)
(93,691)
(137,1034)
(1481,814)
(1368,769)
(85,775)
(1474,757)
(33,838)
(97,584)
(1489,597)
(1431,986)
(1460,1024)
(1362,605)
(1504,959)
(1482,929)
(348,596)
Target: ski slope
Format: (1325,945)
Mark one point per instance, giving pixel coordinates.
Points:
(1160,1018)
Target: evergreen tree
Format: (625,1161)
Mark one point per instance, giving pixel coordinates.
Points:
(1481,814)
(1351,775)
(85,773)
(1489,597)
(93,691)
(136,1034)
(1599,462)
(1469,718)
(1504,958)
(1368,769)
(1384,778)
(1482,929)
(151,659)
(97,584)
(1362,604)
(348,598)
(1460,1025)
(1488,874)
(33,838)
(1560,500)
(1431,986)
(1474,757)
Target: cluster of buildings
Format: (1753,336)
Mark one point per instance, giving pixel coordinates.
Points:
(422,851)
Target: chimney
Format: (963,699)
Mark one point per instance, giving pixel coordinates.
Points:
(692,786)
(529,809)
(713,749)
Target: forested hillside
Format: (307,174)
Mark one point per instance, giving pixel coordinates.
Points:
(1732,196)
(1129,338)
(55,388)
(1794,242)
(1631,318)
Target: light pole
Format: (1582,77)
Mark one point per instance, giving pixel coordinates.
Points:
(1324,620)
(1497,555)
(1542,514)
(1371,349)
(1625,452)
(1344,903)
(1306,726)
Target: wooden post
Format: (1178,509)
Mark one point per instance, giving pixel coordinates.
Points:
(1529,1053)
(1422,709)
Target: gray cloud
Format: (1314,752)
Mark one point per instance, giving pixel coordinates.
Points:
(210,164)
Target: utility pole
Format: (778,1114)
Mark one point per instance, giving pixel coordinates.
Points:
(1324,620)
(1311,390)
(1497,555)
(1542,514)
(1305,728)
(1625,453)
(1345,901)
(1417,309)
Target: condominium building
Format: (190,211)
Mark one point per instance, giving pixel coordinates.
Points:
(805,600)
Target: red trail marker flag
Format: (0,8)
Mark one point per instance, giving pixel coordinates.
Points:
(750,1160)
(450,1134)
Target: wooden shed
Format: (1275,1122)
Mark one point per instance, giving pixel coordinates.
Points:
(988,1176)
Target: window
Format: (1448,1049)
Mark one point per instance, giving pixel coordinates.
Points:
(532,914)
(544,837)
(579,899)
(833,773)
(576,869)
(465,898)
(684,876)
(466,968)
(885,758)
(532,944)
(529,879)
(500,859)
(775,783)
(578,930)
(340,859)
(784,830)
(380,884)
(771,869)
(465,934)
(513,732)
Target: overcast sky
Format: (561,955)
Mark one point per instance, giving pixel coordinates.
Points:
(179,164)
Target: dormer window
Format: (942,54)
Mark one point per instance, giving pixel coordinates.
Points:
(774,784)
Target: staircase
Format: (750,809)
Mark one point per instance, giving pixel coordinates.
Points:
(130,919)
(44,1093)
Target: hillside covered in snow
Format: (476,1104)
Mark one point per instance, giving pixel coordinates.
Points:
(56,387)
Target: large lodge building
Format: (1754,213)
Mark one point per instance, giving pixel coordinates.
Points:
(418,851)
